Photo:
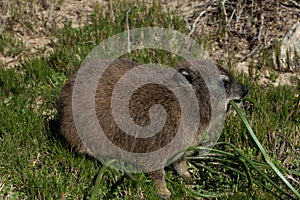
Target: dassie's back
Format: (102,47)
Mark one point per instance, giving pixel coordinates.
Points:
(140,102)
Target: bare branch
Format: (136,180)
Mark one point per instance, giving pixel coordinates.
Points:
(51,12)
(226,19)
(128,31)
(195,22)
(261,27)
(295,3)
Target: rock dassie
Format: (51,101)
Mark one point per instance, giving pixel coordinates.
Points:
(139,105)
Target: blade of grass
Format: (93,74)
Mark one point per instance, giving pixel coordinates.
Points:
(266,156)
(206,194)
(224,158)
(256,168)
(98,180)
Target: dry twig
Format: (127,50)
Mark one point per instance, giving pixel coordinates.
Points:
(128,31)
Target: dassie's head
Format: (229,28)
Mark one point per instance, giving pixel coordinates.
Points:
(234,90)
(195,76)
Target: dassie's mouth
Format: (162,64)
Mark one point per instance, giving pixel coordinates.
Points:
(237,100)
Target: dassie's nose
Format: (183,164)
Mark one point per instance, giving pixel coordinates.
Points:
(245,91)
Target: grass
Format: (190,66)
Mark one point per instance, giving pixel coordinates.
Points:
(36,163)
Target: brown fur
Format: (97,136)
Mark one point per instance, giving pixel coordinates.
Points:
(139,105)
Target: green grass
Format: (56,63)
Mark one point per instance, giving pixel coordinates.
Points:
(36,163)
(9,46)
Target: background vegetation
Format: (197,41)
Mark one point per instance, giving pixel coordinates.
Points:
(36,163)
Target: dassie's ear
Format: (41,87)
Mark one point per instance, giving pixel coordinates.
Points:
(187,74)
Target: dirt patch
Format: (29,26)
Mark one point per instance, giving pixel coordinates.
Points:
(35,21)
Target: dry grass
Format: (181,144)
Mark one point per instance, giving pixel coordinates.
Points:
(245,28)
(236,31)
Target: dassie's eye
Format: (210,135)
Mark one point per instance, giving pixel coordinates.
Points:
(225,79)
(186,74)
(226,83)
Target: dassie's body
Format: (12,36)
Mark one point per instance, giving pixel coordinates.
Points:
(139,105)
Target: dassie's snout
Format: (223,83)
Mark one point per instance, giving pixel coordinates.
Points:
(238,92)
(245,91)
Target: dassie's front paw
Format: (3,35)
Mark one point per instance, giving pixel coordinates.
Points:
(164,193)
(181,168)
(186,175)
